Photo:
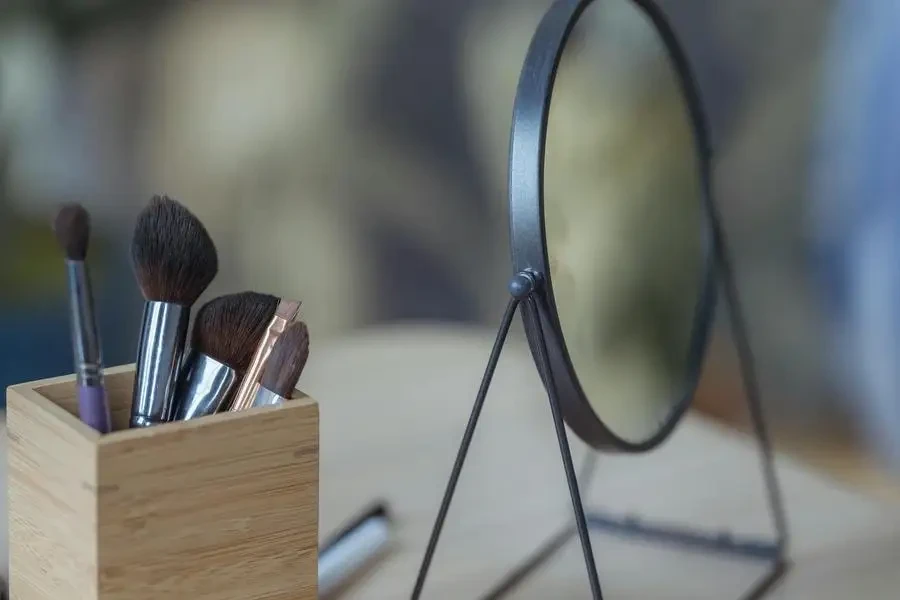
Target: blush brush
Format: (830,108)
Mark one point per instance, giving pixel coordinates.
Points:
(72,227)
(226,332)
(284,366)
(174,260)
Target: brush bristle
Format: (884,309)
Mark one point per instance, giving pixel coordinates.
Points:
(287,360)
(228,328)
(174,258)
(72,227)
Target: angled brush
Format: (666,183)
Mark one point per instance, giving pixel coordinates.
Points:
(226,332)
(284,366)
(174,260)
(287,311)
(73,230)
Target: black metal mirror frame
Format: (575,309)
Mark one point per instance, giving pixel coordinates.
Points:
(528,238)
(529,289)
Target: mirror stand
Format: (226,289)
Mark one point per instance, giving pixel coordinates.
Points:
(525,287)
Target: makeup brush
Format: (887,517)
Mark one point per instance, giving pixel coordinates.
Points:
(174,262)
(73,230)
(286,312)
(226,331)
(284,366)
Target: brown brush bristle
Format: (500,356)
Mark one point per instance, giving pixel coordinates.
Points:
(72,227)
(228,328)
(174,258)
(287,360)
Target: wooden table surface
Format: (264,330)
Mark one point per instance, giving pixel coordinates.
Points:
(394,402)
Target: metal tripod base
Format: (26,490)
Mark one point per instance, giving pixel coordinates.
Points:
(771,553)
(721,544)
(523,288)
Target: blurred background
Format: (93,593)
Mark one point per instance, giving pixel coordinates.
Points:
(351,153)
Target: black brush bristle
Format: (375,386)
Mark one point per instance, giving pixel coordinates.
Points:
(174,258)
(228,328)
(287,360)
(72,227)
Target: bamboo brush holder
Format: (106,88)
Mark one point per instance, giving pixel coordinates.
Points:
(219,508)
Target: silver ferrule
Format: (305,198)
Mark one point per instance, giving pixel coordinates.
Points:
(204,386)
(266,397)
(163,332)
(85,338)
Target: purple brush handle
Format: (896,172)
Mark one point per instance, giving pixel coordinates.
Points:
(93,409)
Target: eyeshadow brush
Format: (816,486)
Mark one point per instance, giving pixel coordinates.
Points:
(246,393)
(72,227)
(226,332)
(283,369)
(174,260)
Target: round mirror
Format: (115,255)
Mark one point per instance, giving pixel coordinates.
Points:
(609,205)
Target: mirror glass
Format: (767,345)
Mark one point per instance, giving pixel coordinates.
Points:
(624,219)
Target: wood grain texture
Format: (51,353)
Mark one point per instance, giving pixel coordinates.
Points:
(52,506)
(219,508)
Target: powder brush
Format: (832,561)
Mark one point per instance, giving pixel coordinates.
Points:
(285,314)
(174,260)
(226,332)
(72,227)
(284,366)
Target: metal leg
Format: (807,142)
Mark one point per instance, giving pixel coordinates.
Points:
(768,581)
(521,288)
(751,385)
(581,525)
(511,308)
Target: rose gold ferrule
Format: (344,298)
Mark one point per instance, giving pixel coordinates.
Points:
(246,392)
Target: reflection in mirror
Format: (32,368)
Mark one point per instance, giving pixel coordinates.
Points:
(624,220)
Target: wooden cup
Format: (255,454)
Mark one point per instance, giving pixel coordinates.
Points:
(219,508)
